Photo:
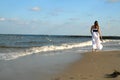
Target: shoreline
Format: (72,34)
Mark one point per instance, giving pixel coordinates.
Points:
(92,66)
(66,66)
(37,66)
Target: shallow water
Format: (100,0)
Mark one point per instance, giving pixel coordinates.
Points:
(37,67)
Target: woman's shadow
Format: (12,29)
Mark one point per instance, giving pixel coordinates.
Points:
(113,75)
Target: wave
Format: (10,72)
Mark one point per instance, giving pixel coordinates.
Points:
(34,50)
(13,47)
(31,42)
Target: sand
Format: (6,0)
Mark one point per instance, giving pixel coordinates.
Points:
(37,66)
(72,66)
(93,66)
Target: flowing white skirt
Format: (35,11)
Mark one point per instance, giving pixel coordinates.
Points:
(96,42)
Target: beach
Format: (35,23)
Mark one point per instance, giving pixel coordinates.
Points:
(37,66)
(64,66)
(93,66)
(43,57)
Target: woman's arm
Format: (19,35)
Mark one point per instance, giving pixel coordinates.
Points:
(100,34)
(91,29)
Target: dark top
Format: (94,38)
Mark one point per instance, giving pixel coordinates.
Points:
(95,30)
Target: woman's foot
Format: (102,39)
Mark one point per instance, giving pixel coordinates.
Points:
(94,50)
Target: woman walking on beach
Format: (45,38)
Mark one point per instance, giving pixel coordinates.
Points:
(96,37)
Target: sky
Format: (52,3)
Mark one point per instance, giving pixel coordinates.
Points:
(59,17)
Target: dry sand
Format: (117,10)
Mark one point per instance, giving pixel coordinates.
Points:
(93,66)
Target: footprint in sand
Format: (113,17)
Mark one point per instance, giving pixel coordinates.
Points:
(90,75)
(57,79)
(84,78)
(71,77)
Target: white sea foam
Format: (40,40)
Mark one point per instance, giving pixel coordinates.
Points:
(34,50)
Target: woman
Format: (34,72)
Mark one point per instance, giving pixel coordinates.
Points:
(96,37)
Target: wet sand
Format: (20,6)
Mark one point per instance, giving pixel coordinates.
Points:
(93,66)
(65,66)
(37,66)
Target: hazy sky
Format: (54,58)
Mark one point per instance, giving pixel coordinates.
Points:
(59,17)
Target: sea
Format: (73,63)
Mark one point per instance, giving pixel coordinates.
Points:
(17,46)
(41,57)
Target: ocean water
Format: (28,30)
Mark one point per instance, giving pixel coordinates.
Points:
(16,46)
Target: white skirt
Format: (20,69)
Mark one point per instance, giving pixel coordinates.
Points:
(96,42)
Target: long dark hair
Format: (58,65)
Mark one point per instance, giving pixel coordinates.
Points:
(96,24)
